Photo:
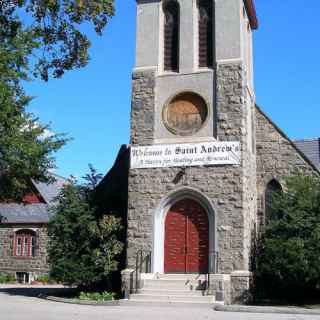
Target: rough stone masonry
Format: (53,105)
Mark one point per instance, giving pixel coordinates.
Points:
(232,195)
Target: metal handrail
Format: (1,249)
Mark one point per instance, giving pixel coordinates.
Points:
(142,260)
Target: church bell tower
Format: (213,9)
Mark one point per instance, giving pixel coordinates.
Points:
(193,93)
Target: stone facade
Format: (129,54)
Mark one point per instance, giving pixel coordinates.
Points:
(277,157)
(142,109)
(228,187)
(231,194)
(10,264)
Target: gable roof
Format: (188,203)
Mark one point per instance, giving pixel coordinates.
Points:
(311,148)
(302,154)
(34,212)
(49,191)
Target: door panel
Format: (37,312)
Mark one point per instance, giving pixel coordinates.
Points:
(175,242)
(186,238)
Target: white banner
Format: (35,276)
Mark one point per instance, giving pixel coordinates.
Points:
(186,155)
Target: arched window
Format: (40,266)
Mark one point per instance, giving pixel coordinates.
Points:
(273,187)
(205,33)
(171,11)
(25,243)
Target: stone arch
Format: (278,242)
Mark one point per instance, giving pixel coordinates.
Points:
(159,224)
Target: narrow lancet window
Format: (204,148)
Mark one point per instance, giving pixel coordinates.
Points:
(205,33)
(171,11)
(273,188)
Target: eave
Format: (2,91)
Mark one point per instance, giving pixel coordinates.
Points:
(252,13)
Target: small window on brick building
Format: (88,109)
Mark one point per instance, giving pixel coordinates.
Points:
(24,243)
(205,33)
(273,187)
(171,12)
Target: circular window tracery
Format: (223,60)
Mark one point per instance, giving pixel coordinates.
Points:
(185,114)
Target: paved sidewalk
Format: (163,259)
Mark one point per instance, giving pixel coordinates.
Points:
(16,305)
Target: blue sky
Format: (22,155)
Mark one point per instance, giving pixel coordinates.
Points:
(92,105)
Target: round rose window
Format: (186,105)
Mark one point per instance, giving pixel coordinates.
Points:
(185,114)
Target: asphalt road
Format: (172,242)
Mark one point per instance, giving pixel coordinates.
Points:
(18,304)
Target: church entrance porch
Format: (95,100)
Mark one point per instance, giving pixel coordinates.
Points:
(186,245)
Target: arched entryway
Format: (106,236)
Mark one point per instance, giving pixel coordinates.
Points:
(186,243)
(160,215)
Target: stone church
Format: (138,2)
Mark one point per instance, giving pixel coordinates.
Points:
(194,183)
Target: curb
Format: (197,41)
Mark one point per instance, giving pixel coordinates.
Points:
(279,310)
(112,303)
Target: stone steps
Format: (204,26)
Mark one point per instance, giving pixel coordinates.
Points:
(178,304)
(181,276)
(173,292)
(175,283)
(174,289)
(172,298)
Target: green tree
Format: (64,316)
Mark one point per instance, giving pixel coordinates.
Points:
(38,38)
(83,248)
(25,146)
(46,37)
(288,259)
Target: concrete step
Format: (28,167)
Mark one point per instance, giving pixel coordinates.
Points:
(171,298)
(171,292)
(175,283)
(182,276)
(175,304)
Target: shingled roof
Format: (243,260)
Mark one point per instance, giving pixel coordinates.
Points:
(35,212)
(311,148)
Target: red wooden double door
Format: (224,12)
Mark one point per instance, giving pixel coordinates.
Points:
(186,245)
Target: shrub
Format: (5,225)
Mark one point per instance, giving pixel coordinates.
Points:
(97,296)
(288,256)
(83,247)
(45,279)
(6,278)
